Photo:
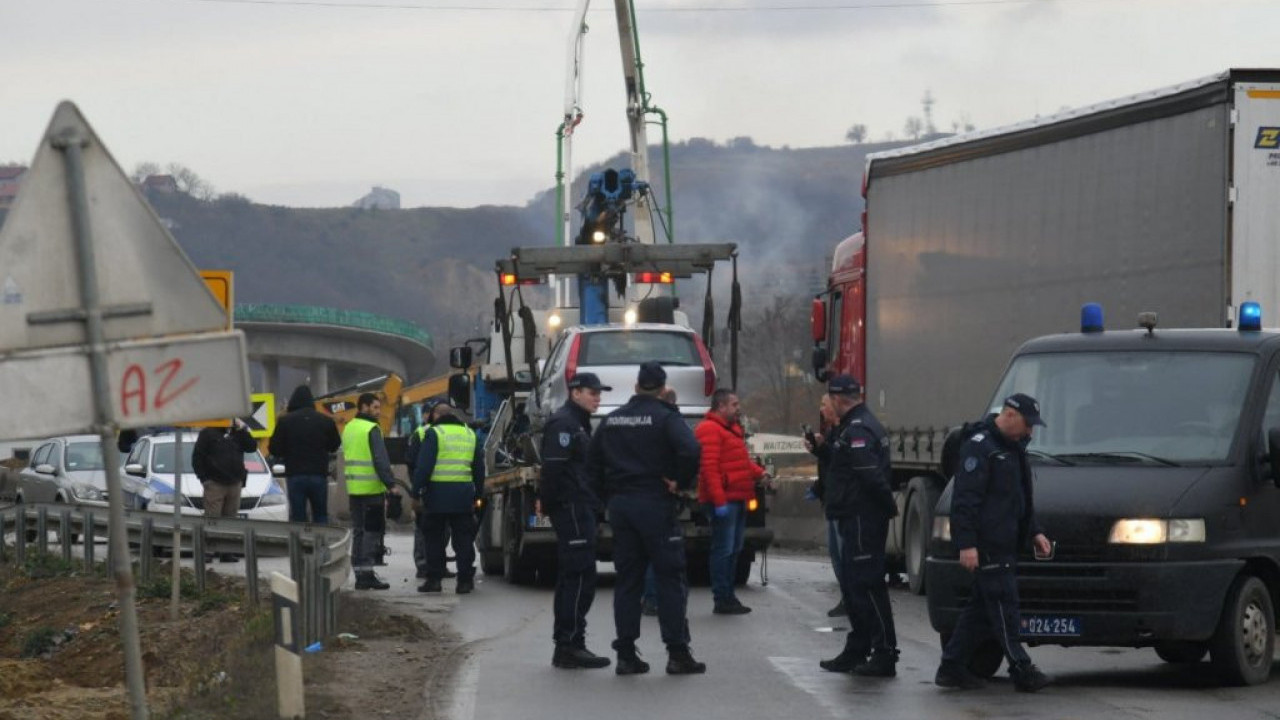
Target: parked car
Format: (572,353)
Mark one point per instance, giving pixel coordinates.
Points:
(152,458)
(69,469)
(614,352)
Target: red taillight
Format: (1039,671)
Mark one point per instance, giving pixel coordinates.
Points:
(664,278)
(571,362)
(708,368)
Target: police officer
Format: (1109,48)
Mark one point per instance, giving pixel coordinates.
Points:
(447,480)
(369,478)
(641,455)
(567,498)
(992,517)
(858,497)
(411,450)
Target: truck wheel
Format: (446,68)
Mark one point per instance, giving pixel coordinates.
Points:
(919,527)
(514,568)
(1181,652)
(1242,646)
(742,572)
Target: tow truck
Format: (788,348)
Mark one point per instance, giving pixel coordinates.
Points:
(499,376)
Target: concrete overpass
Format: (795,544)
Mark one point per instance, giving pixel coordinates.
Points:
(337,348)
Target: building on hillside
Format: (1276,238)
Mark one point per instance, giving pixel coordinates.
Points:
(10,179)
(164,184)
(379,198)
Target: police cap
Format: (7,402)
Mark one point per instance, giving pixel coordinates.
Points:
(651,376)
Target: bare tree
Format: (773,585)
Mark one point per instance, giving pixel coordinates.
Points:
(913,128)
(778,388)
(927,104)
(857,134)
(189,182)
(143,170)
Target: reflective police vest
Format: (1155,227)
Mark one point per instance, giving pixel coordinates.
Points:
(362,478)
(456,448)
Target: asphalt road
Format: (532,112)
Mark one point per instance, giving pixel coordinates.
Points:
(765,664)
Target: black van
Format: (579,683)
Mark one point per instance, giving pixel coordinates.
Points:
(1158,477)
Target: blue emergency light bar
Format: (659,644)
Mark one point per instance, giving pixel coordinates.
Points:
(1250,316)
(1091,318)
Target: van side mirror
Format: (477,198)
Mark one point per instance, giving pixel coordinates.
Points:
(460,391)
(818,320)
(460,357)
(820,364)
(1273,453)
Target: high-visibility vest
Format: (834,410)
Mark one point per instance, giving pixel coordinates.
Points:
(362,478)
(455,449)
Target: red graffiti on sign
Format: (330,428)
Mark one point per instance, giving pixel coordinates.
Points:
(134,395)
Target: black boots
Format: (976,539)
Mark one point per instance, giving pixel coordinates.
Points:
(954,675)
(430,586)
(465,585)
(571,657)
(730,607)
(845,662)
(882,663)
(680,662)
(367,580)
(629,662)
(1028,678)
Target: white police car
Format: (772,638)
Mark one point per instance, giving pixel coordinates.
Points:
(152,458)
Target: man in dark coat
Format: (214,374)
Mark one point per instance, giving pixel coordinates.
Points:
(303,440)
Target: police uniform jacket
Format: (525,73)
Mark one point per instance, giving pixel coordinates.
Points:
(856,482)
(638,445)
(991,503)
(566,437)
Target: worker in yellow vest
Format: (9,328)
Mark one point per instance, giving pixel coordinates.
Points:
(369,479)
(448,477)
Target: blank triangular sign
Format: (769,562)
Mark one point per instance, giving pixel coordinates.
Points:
(138,263)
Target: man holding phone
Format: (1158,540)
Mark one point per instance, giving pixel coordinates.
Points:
(992,516)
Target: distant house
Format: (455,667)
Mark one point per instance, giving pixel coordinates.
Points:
(379,198)
(10,179)
(164,184)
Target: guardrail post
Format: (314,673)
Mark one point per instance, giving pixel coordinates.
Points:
(4,553)
(197,555)
(251,565)
(20,536)
(42,530)
(64,534)
(146,558)
(290,696)
(90,527)
(309,588)
(295,556)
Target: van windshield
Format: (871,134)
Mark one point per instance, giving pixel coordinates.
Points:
(632,347)
(1133,407)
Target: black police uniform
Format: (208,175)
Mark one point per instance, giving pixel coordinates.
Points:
(573,507)
(991,510)
(859,498)
(635,447)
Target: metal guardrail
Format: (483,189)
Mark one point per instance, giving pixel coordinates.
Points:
(319,555)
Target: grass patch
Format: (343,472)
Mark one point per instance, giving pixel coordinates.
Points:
(47,565)
(6,619)
(161,586)
(38,642)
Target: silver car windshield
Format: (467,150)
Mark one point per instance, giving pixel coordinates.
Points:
(635,346)
(1133,407)
(84,456)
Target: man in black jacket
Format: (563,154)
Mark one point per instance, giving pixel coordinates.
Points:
(858,496)
(218,460)
(567,498)
(642,454)
(992,517)
(448,478)
(303,440)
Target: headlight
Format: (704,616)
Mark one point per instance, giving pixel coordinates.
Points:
(1132,531)
(84,491)
(942,528)
(272,499)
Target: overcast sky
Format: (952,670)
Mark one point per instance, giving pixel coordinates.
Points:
(456,102)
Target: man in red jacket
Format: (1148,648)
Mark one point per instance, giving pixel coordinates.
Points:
(726,481)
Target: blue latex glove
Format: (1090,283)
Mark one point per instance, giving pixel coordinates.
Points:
(722,511)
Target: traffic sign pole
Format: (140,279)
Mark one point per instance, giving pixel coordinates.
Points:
(71,144)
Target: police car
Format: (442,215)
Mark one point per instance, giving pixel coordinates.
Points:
(152,459)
